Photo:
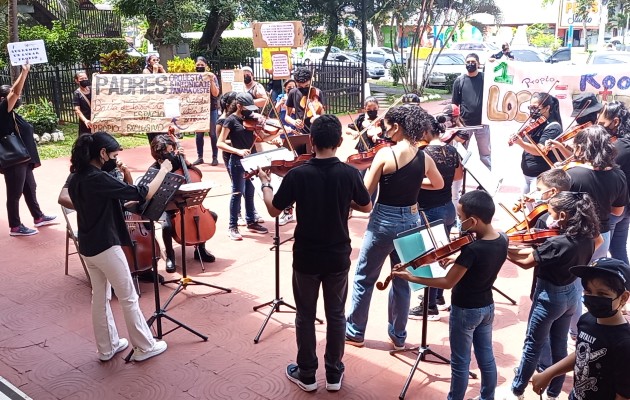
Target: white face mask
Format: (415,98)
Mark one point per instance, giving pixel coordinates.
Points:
(552,223)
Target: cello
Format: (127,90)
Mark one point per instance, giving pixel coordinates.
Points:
(139,255)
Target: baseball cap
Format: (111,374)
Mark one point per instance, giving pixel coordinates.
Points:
(251,71)
(247,101)
(452,110)
(604,266)
(587,100)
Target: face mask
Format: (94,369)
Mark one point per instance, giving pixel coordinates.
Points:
(471,67)
(247,113)
(372,114)
(84,83)
(109,165)
(463,231)
(599,307)
(535,113)
(303,90)
(200,69)
(552,223)
(247,79)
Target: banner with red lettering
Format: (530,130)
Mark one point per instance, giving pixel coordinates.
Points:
(509,85)
(127,104)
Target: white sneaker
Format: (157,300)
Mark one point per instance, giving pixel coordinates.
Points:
(122,345)
(505,393)
(158,348)
(258,218)
(241,221)
(285,218)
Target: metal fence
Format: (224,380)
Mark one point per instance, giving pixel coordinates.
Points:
(340,84)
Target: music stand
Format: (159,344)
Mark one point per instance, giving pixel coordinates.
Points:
(151,212)
(188,195)
(301,143)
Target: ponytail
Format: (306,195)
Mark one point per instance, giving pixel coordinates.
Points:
(582,219)
(80,158)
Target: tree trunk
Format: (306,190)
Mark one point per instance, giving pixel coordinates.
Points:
(167,52)
(13,33)
(378,32)
(215,26)
(585,35)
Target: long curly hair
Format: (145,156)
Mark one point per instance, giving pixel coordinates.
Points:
(616,109)
(412,119)
(582,220)
(593,145)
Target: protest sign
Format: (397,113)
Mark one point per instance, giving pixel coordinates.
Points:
(33,52)
(232,80)
(278,34)
(127,104)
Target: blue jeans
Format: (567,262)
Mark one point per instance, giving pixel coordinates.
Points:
(619,236)
(240,187)
(482,137)
(378,243)
(549,320)
(199,136)
(448,215)
(470,327)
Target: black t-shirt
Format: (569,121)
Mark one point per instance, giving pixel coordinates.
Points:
(79,99)
(447,161)
(559,253)
(534,165)
(483,260)
(358,124)
(294,99)
(8,121)
(96,197)
(322,190)
(623,156)
(601,361)
(607,188)
(240,137)
(468,94)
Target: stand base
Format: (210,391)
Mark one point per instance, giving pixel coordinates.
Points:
(275,307)
(183,282)
(423,352)
(508,298)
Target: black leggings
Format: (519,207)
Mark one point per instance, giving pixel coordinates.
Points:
(20,180)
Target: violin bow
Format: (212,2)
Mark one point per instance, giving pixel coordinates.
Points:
(361,138)
(284,129)
(509,213)
(429,230)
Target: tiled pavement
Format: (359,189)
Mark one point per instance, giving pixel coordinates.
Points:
(47,346)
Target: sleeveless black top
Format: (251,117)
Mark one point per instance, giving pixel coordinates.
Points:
(401,188)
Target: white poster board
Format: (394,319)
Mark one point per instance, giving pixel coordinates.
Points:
(32,52)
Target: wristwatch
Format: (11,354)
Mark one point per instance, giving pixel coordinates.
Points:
(265,185)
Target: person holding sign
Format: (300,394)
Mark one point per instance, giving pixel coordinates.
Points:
(153,65)
(202,66)
(81,99)
(19,178)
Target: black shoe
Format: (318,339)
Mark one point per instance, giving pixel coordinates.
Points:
(306,384)
(257,228)
(170,266)
(215,162)
(440,301)
(417,311)
(198,161)
(147,276)
(205,256)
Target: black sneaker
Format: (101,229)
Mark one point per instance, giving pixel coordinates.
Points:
(198,161)
(306,384)
(205,256)
(417,311)
(22,231)
(45,220)
(440,301)
(257,228)
(333,385)
(215,162)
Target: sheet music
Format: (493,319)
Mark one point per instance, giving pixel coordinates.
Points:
(191,187)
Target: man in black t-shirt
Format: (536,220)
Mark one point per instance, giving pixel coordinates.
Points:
(468,95)
(297,102)
(324,189)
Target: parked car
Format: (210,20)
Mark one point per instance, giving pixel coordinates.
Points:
(317,53)
(609,57)
(374,70)
(384,56)
(562,55)
(483,49)
(445,63)
(528,54)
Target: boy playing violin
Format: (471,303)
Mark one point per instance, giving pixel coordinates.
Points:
(471,278)
(304,103)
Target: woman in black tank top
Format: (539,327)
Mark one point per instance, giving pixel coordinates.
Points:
(399,170)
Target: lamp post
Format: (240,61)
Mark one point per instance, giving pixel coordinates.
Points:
(363,50)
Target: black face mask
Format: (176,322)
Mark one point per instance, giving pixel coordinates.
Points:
(372,114)
(471,67)
(175,161)
(247,113)
(303,90)
(84,83)
(535,113)
(599,307)
(109,165)
(200,69)
(247,79)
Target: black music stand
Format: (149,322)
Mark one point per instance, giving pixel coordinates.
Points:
(278,300)
(188,195)
(301,142)
(152,211)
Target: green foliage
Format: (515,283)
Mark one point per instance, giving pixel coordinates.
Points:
(233,49)
(450,79)
(119,62)
(41,115)
(397,71)
(181,65)
(538,35)
(61,41)
(90,49)
(321,39)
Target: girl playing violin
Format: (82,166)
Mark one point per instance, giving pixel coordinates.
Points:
(373,135)
(281,104)
(556,296)
(532,163)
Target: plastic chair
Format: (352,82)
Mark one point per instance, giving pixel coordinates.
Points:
(71,234)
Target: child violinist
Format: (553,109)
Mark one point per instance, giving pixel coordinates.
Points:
(471,278)
(556,296)
(374,130)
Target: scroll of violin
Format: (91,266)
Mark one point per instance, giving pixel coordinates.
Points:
(525,131)
(265,129)
(430,257)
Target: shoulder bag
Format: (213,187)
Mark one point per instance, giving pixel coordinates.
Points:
(12,149)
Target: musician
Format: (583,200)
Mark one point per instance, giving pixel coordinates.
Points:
(163,147)
(532,163)
(324,189)
(242,142)
(297,101)
(281,105)
(615,118)
(438,204)
(375,134)
(556,296)
(586,108)
(399,171)
(468,96)
(97,196)
(471,278)
(255,89)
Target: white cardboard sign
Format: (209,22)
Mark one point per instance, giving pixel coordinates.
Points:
(33,52)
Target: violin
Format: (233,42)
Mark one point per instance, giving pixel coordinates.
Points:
(281,167)
(430,257)
(142,252)
(568,135)
(530,219)
(311,103)
(525,131)
(363,160)
(533,236)
(264,129)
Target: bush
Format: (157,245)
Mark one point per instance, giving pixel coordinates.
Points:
(90,49)
(181,65)
(41,115)
(233,49)
(450,79)
(119,62)
(397,71)
(321,39)
(61,41)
